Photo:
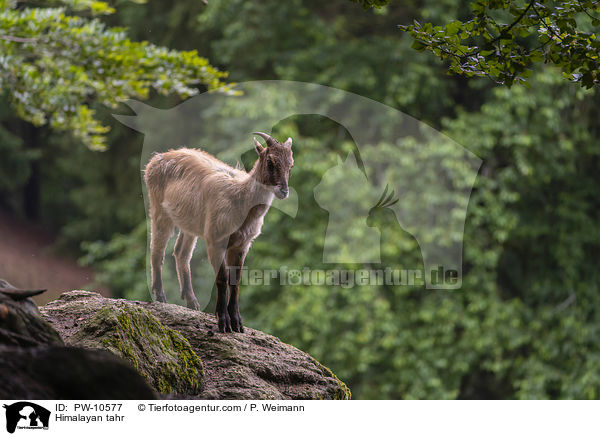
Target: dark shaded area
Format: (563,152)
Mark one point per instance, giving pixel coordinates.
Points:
(35,364)
(20,321)
(68,373)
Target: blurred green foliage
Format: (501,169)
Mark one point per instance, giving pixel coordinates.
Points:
(524,323)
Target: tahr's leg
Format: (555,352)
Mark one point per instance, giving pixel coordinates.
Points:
(184,247)
(216,256)
(235,261)
(161,229)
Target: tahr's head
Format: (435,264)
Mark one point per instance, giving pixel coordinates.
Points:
(274,163)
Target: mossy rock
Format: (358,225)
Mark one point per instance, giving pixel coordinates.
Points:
(251,365)
(162,355)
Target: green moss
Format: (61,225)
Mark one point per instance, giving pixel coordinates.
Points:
(162,355)
(343,393)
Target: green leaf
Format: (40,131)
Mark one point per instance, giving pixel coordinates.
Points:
(418,45)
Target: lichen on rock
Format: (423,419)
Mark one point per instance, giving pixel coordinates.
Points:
(162,355)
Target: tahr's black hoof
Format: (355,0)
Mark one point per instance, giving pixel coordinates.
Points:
(224,323)
(236,323)
(193,305)
(161,298)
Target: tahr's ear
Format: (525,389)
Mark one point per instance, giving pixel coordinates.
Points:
(288,143)
(258,147)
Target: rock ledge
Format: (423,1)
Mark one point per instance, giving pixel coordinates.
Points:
(180,354)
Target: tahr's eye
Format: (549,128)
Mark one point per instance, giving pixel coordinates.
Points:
(270,165)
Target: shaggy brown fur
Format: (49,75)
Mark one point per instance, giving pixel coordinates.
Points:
(204,197)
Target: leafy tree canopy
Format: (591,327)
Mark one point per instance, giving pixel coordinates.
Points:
(503,39)
(54,64)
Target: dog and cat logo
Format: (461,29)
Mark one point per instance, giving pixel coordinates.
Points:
(394,176)
(26,415)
